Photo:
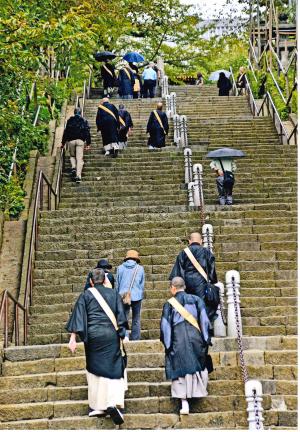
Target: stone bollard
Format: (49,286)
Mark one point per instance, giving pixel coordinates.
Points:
(219,325)
(191,194)
(183,131)
(208,236)
(176,121)
(188,166)
(165,87)
(253,393)
(233,310)
(168,106)
(173,104)
(198,192)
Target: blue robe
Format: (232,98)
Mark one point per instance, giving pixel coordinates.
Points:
(126,84)
(157,134)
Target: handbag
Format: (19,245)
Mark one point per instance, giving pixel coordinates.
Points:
(209,363)
(137,85)
(126,297)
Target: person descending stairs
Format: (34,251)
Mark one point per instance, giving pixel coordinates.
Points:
(138,201)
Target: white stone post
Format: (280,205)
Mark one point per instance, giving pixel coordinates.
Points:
(173,104)
(165,87)
(198,192)
(161,66)
(183,131)
(176,121)
(233,280)
(188,166)
(219,326)
(253,393)
(191,194)
(168,106)
(208,236)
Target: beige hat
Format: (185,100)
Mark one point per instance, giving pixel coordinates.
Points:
(132,254)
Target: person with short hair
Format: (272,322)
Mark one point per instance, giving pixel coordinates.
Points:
(108,124)
(125,126)
(108,75)
(126,82)
(130,278)
(184,332)
(99,319)
(195,282)
(241,81)
(109,281)
(76,134)
(157,128)
(149,77)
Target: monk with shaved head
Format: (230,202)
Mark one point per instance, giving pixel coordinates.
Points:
(108,124)
(157,128)
(186,266)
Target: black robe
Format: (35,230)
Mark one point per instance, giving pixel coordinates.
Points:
(125,83)
(224,86)
(185,347)
(108,125)
(195,282)
(128,124)
(108,79)
(157,135)
(241,80)
(101,341)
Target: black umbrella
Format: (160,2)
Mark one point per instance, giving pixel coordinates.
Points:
(225,152)
(104,55)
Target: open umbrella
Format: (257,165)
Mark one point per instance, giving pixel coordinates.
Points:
(225,153)
(214,76)
(104,55)
(133,57)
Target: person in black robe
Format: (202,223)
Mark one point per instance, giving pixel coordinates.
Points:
(224,85)
(137,88)
(186,346)
(125,126)
(109,277)
(105,363)
(108,124)
(108,76)
(157,129)
(126,83)
(195,282)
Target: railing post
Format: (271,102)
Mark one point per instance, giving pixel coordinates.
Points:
(220,321)
(207,236)
(233,302)
(168,106)
(197,171)
(173,104)
(188,167)
(253,393)
(191,194)
(183,131)
(176,122)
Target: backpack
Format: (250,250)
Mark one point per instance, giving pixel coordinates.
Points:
(228,177)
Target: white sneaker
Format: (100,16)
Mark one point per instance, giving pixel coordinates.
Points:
(151,148)
(107,153)
(126,339)
(96,413)
(185,410)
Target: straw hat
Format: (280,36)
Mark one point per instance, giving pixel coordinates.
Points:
(132,254)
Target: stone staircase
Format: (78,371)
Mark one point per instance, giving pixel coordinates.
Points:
(139,201)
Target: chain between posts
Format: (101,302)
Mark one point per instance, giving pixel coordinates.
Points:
(245,375)
(256,410)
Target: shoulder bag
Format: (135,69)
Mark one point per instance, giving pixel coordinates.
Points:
(228,177)
(126,297)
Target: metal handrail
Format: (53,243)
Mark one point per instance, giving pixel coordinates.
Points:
(272,111)
(277,86)
(293,134)
(252,69)
(4,317)
(234,87)
(251,98)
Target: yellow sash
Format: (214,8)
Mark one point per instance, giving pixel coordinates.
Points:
(104,108)
(127,73)
(195,263)
(159,121)
(109,71)
(122,121)
(184,313)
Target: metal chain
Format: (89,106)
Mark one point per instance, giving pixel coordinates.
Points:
(222,310)
(257,417)
(239,337)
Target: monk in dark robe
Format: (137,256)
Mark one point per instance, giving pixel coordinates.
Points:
(158,128)
(183,267)
(105,363)
(108,124)
(126,83)
(108,76)
(125,126)
(186,344)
